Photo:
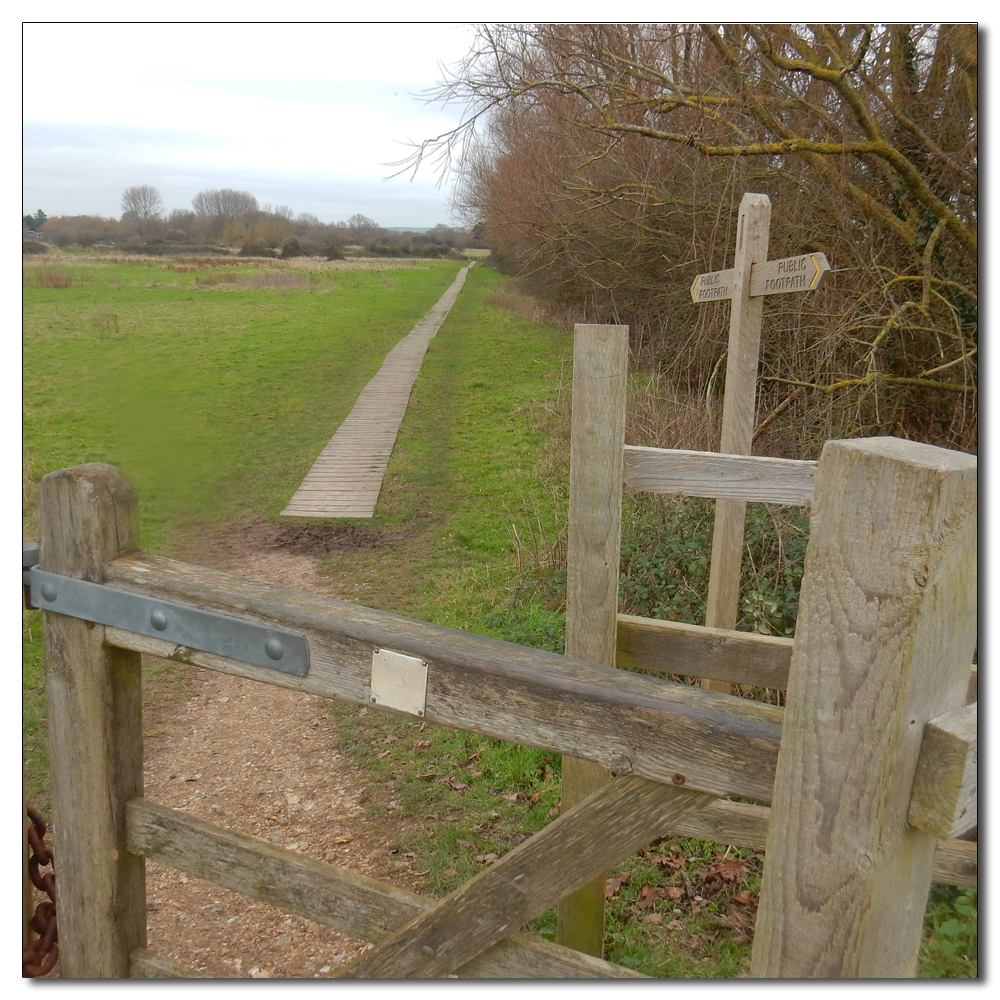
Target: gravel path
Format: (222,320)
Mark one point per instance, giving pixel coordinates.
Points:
(261,760)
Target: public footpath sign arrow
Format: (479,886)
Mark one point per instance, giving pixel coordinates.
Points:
(804,273)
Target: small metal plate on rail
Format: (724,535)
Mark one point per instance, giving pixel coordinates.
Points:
(180,624)
(399,681)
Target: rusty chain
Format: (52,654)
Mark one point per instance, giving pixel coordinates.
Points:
(40,956)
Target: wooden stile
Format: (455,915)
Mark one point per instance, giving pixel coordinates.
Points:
(600,374)
(887,621)
(88,516)
(874,744)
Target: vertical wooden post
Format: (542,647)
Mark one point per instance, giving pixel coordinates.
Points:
(87,516)
(752,236)
(887,620)
(600,372)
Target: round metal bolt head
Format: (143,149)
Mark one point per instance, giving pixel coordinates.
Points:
(49,591)
(158,620)
(274,649)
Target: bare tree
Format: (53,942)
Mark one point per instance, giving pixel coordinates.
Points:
(142,202)
(363,227)
(606,160)
(225,203)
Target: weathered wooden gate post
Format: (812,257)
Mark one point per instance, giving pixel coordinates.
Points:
(886,628)
(600,372)
(88,516)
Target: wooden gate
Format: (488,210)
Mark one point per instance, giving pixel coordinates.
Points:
(886,636)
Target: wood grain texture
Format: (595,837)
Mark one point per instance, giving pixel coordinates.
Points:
(752,236)
(346,478)
(707,474)
(945,799)
(699,651)
(600,374)
(621,720)
(143,964)
(338,898)
(599,831)
(886,626)
(88,516)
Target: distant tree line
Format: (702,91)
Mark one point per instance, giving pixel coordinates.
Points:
(226,218)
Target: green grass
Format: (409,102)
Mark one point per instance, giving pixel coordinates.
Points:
(34,738)
(212,385)
(221,399)
(212,389)
(463,478)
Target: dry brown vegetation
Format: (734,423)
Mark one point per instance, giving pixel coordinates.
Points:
(604,163)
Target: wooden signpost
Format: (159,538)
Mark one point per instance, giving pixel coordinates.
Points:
(745,284)
(804,273)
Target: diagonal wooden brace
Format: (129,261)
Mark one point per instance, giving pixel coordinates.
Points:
(598,832)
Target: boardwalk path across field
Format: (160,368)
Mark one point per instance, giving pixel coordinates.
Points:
(346,479)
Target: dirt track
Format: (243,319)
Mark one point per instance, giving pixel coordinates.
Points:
(260,760)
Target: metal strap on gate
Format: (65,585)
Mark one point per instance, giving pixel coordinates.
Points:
(180,624)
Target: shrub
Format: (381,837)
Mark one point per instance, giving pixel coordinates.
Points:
(665,554)
(154,249)
(254,248)
(333,250)
(381,250)
(33,246)
(292,248)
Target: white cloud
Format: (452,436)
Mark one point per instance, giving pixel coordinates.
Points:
(292,104)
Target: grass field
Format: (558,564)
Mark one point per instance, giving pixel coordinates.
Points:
(215,388)
(213,385)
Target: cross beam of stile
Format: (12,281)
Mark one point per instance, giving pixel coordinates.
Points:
(619,818)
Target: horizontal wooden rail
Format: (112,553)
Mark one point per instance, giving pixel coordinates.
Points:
(716,653)
(625,721)
(945,799)
(742,824)
(350,903)
(729,477)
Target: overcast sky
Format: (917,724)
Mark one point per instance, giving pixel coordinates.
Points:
(304,115)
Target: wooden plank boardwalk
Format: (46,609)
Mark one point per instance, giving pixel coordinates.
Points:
(346,478)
